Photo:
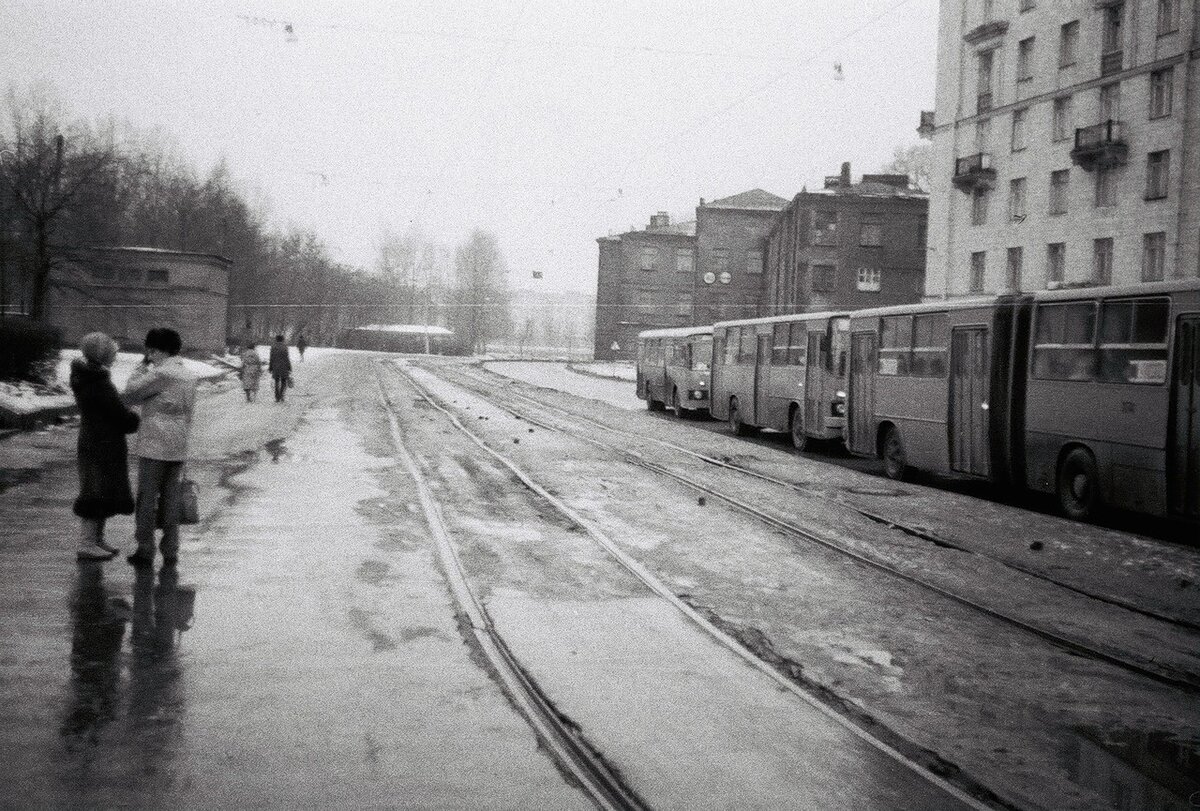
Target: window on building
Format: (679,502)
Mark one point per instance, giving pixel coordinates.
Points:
(1061,121)
(644,302)
(1068,43)
(1056,262)
(685,260)
(649,258)
(1133,340)
(1114,18)
(1016,199)
(1162,86)
(989,10)
(754,262)
(979,205)
(1019,117)
(1059,186)
(869,280)
(1065,341)
(825,227)
(1110,102)
(1154,256)
(978,271)
(871,230)
(1158,168)
(983,81)
(1025,59)
(1016,258)
(1102,260)
(822,278)
(158,276)
(1106,186)
(983,134)
(1168,16)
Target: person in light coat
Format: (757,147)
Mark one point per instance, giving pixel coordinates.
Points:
(166,392)
(251,371)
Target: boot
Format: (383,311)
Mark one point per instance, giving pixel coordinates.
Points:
(89,541)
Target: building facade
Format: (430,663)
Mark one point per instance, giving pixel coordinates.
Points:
(848,246)
(731,244)
(127,291)
(1066,145)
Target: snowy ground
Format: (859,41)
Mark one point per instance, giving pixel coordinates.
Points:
(612,383)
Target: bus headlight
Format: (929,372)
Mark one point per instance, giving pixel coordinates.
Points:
(839,409)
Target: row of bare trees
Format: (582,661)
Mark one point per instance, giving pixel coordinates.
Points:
(66,183)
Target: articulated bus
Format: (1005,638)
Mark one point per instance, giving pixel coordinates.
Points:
(1091,394)
(785,373)
(673,368)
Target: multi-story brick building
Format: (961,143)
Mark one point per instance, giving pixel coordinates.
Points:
(848,246)
(671,275)
(1066,145)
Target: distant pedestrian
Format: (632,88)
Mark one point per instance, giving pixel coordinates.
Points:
(102,451)
(166,392)
(280,367)
(251,371)
(301,345)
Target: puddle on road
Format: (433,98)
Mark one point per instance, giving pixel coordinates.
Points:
(1132,769)
(16,476)
(276,449)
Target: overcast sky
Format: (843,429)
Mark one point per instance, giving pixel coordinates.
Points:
(549,123)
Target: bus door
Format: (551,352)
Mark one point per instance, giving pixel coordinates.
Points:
(813,384)
(762,379)
(969,376)
(861,437)
(1183,466)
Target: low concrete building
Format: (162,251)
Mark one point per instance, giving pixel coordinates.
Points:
(127,291)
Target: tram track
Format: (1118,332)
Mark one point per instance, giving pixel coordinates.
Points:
(1150,669)
(574,754)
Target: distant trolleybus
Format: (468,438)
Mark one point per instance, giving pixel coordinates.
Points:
(673,368)
(785,373)
(1091,394)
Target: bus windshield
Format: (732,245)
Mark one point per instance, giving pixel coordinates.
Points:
(701,354)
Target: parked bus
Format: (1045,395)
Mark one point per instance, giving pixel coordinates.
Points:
(1090,394)
(673,368)
(785,373)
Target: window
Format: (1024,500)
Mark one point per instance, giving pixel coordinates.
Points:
(1064,342)
(1068,42)
(978,271)
(1025,59)
(1059,186)
(913,345)
(822,278)
(798,351)
(746,345)
(1113,20)
(754,262)
(1056,261)
(979,205)
(684,307)
(895,344)
(1133,341)
(983,82)
(1016,257)
(983,134)
(1158,167)
(157,276)
(649,258)
(685,260)
(825,228)
(1061,126)
(1110,102)
(780,343)
(1019,118)
(1154,254)
(1106,186)
(871,230)
(729,346)
(869,279)
(1016,199)
(1162,85)
(1168,16)
(700,353)
(1102,260)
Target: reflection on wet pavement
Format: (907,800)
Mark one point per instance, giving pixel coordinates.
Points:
(16,476)
(1134,770)
(97,631)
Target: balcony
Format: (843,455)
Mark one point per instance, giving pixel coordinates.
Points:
(989,30)
(974,172)
(1111,62)
(1100,145)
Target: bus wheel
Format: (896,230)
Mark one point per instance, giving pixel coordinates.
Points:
(895,461)
(799,438)
(1078,485)
(677,406)
(736,425)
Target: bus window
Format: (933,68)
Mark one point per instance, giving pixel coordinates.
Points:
(840,331)
(746,345)
(732,336)
(1064,343)
(700,353)
(895,341)
(930,334)
(718,347)
(1133,341)
(798,344)
(779,346)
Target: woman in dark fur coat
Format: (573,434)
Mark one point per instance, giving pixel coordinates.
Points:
(104,421)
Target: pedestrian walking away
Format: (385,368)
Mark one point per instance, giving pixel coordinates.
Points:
(301,345)
(166,392)
(251,371)
(103,454)
(280,367)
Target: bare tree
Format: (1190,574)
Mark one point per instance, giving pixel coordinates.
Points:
(915,160)
(481,297)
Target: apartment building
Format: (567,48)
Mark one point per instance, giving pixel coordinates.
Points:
(1066,145)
